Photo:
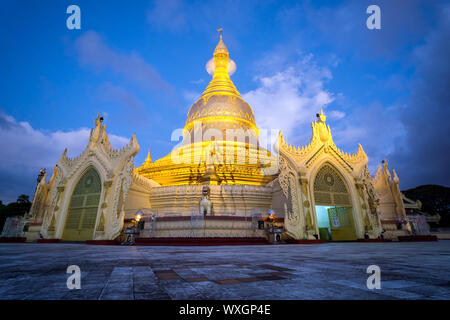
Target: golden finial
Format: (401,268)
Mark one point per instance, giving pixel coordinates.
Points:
(221,47)
(321,117)
(220,67)
(97,120)
(149,157)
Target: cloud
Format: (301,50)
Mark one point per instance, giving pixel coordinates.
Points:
(191,96)
(413,135)
(289,99)
(424,158)
(25,150)
(180,16)
(134,108)
(197,81)
(92,52)
(344,25)
(335,114)
(168,15)
(376,127)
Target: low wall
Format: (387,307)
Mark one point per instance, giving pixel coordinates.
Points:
(209,226)
(183,200)
(391,230)
(32,234)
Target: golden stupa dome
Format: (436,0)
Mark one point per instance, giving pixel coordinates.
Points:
(205,157)
(221,107)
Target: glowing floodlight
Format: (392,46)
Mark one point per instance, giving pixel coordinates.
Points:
(138,216)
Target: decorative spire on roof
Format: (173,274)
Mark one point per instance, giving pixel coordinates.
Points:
(323,130)
(149,157)
(221,47)
(321,117)
(221,67)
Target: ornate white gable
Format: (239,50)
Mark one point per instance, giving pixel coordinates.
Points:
(322,143)
(387,189)
(299,167)
(115,168)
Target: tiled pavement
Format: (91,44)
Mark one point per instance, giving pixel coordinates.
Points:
(418,270)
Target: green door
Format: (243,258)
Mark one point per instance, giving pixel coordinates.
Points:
(83,208)
(341,224)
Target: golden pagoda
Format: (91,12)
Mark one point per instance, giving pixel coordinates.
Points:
(218,182)
(220,138)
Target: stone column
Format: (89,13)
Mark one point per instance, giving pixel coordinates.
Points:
(309,225)
(364,209)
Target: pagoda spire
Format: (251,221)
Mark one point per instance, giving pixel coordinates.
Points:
(149,157)
(220,66)
(221,47)
(147,160)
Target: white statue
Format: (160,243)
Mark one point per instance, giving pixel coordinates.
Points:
(205,203)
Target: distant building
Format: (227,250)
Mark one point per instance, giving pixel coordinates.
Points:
(414,209)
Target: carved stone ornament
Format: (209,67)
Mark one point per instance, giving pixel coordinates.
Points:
(288,184)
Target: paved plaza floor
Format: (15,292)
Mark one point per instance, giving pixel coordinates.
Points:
(419,270)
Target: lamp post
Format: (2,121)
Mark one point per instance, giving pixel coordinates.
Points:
(274,230)
(130,232)
(137,218)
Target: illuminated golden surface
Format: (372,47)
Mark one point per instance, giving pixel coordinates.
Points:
(226,160)
(234,163)
(221,105)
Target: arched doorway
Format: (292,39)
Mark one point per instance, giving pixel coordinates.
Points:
(83,207)
(333,206)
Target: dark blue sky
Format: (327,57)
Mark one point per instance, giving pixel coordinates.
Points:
(141,64)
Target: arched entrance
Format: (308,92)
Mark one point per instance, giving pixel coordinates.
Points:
(333,206)
(83,207)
